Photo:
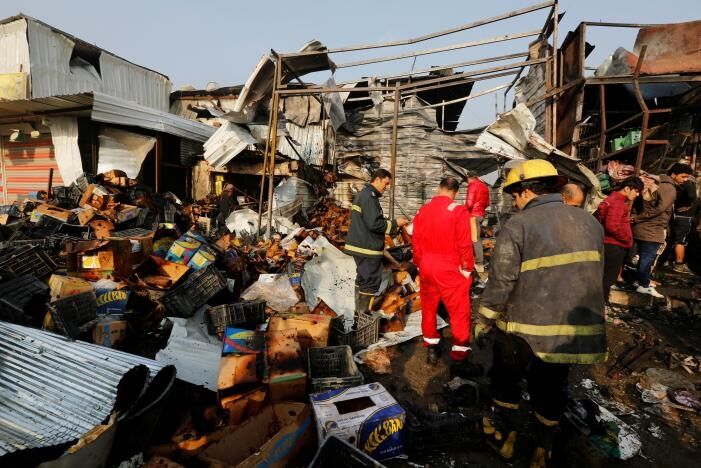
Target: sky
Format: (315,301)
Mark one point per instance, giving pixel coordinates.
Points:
(196,42)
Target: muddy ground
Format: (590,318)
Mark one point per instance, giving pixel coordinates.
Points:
(670,437)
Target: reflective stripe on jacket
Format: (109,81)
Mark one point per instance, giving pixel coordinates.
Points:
(368,226)
(545,282)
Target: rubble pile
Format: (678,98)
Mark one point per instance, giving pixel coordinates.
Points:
(106,262)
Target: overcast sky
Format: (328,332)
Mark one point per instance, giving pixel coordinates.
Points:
(195,42)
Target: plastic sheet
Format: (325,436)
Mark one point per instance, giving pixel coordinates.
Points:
(275,290)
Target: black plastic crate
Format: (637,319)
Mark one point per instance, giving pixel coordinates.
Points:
(44,227)
(245,314)
(364,333)
(194,292)
(28,260)
(10,210)
(84,180)
(333,367)
(135,232)
(43,243)
(427,430)
(339,454)
(23,299)
(75,314)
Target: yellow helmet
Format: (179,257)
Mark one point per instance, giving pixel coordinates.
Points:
(533,170)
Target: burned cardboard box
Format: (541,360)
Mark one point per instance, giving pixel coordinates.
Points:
(287,376)
(312,329)
(274,437)
(244,404)
(98,197)
(50,211)
(113,258)
(65,286)
(366,416)
(109,332)
(160,274)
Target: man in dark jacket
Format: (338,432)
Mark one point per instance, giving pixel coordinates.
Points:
(227,204)
(545,297)
(366,238)
(650,224)
(476,202)
(614,215)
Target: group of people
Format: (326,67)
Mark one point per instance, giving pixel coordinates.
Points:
(549,278)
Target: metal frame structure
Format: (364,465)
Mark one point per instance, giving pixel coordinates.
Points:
(634,79)
(398,91)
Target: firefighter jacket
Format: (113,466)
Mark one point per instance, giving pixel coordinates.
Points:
(545,282)
(442,234)
(368,226)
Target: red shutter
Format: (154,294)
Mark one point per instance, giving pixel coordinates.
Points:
(26,165)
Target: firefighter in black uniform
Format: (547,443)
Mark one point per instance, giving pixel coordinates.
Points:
(545,301)
(366,238)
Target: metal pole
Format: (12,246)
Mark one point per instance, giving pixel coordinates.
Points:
(644,108)
(393,162)
(273,146)
(602,119)
(556,73)
(265,167)
(51,183)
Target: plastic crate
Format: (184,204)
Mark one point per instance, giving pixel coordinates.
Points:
(194,292)
(75,314)
(340,454)
(246,314)
(28,260)
(19,295)
(333,367)
(427,430)
(135,232)
(10,210)
(364,333)
(84,180)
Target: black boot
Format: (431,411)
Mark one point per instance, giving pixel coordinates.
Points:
(465,369)
(544,432)
(500,429)
(433,354)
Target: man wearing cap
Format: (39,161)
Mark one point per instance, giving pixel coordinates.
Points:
(545,301)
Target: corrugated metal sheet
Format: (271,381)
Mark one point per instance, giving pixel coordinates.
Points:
(14,48)
(53,390)
(420,149)
(25,167)
(306,142)
(19,108)
(51,74)
(113,110)
(227,142)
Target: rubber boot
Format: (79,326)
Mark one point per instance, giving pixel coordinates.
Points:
(545,430)
(499,429)
(362,302)
(465,369)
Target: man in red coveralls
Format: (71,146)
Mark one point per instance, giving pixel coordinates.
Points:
(443,252)
(476,202)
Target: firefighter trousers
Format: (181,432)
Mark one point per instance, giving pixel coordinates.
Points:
(443,282)
(513,362)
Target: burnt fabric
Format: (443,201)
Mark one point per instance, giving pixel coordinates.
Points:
(545,282)
(368,226)
(442,246)
(513,362)
(368,274)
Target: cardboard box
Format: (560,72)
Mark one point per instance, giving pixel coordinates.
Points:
(85,215)
(96,196)
(159,273)
(287,376)
(312,329)
(114,258)
(254,443)
(241,341)
(237,369)
(183,250)
(103,229)
(109,332)
(112,302)
(366,416)
(242,406)
(51,211)
(64,286)
(204,257)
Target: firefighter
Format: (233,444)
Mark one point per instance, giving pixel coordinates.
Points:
(545,299)
(366,238)
(443,252)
